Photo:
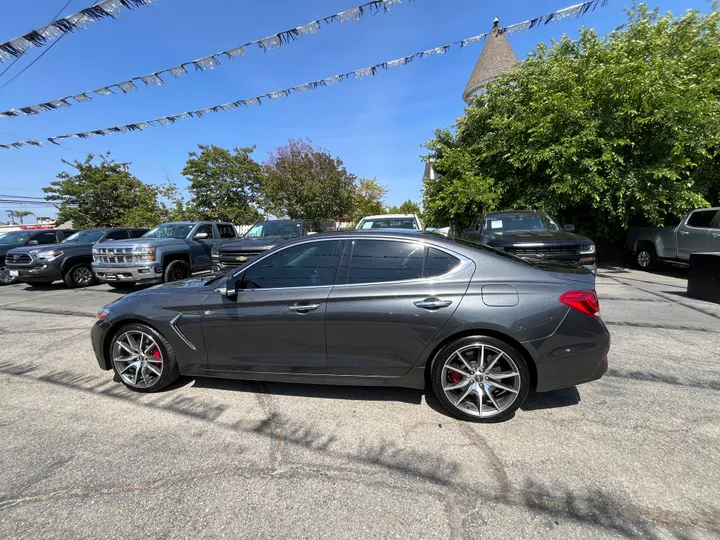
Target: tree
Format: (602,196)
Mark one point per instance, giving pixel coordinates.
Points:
(408,207)
(11,215)
(103,195)
(306,182)
(368,198)
(600,132)
(20,214)
(224,184)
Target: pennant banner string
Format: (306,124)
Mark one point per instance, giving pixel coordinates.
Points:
(40,37)
(208,62)
(573,11)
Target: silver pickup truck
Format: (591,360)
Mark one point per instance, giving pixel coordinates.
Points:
(698,232)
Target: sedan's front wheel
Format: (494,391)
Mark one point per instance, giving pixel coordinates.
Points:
(143,359)
(480,378)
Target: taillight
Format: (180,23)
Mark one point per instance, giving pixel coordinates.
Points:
(585,301)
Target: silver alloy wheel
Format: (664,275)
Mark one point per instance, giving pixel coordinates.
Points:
(644,258)
(82,275)
(481,380)
(138,359)
(5,275)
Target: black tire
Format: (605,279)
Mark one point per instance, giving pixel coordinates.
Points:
(170,372)
(176,270)
(522,386)
(122,286)
(79,275)
(5,278)
(646,257)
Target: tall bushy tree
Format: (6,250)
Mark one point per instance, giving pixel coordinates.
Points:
(102,195)
(368,199)
(602,132)
(408,207)
(302,181)
(224,184)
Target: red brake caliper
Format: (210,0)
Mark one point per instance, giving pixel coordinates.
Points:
(454,376)
(156,355)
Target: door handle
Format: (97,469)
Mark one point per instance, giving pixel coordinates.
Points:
(303,308)
(683,232)
(433,303)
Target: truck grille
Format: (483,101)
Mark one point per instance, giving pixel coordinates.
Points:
(19,258)
(543,251)
(235,260)
(113,255)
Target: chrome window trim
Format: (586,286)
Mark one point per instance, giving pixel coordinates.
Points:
(465,263)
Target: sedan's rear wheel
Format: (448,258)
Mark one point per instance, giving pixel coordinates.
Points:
(480,378)
(143,359)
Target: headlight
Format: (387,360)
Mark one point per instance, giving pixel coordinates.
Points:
(143,254)
(48,255)
(587,249)
(95,251)
(104,312)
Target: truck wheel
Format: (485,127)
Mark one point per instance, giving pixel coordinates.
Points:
(79,275)
(5,278)
(176,270)
(646,258)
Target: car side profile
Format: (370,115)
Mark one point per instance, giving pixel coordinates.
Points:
(14,239)
(389,308)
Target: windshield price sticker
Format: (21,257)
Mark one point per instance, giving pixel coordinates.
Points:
(496,224)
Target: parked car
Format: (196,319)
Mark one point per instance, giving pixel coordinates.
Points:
(14,239)
(698,231)
(369,308)
(263,236)
(168,252)
(532,235)
(391,221)
(69,260)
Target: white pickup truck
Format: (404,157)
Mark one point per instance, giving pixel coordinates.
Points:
(698,232)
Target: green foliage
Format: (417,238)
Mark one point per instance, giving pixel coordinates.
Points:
(600,132)
(103,195)
(408,207)
(303,182)
(224,184)
(368,198)
(20,214)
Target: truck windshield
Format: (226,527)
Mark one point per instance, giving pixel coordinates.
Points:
(169,230)
(84,236)
(268,228)
(14,237)
(500,223)
(389,223)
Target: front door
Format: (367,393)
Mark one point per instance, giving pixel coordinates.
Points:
(693,233)
(201,248)
(395,299)
(276,323)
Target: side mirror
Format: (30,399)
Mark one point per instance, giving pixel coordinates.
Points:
(33,243)
(227,289)
(569,228)
(200,236)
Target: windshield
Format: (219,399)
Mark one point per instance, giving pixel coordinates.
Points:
(84,236)
(14,237)
(169,230)
(500,223)
(389,223)
(286,230)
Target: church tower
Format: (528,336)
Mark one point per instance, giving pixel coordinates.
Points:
(497,57)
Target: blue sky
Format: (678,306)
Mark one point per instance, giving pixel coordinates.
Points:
(376,125)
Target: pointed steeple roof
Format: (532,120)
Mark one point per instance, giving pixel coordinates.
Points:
(497,57)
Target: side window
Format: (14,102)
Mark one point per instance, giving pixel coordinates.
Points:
(439,263)
(226,231)
(137,233)
(376,261)
(45,238)
(116,235)
(701,218)
(208,229)
(302,265)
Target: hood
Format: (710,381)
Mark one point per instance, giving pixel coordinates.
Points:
(255,244)
(545,237)
(149,242)
(197,284)
(72,246)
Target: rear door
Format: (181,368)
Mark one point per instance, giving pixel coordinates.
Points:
(693,234)
(392,298)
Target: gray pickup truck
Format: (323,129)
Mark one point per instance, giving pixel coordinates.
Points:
(168,252)
(699,231)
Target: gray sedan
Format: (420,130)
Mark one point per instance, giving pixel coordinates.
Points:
(480,327)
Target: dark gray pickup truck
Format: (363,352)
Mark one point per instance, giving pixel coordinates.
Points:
(15,239)
(69,260)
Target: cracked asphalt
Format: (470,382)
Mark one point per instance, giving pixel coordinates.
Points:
(634,455)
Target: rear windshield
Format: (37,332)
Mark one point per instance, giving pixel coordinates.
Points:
(389,223)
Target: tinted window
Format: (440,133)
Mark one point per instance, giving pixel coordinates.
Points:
(375,261)
(45,238)
(439,262)
(304,265)
(275,229)
(137,233)
(117,235)
(207,229)
(701,218)
(227,231)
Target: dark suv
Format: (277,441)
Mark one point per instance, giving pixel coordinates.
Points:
(69,260)
(14,239)
(263,236)
(534,236)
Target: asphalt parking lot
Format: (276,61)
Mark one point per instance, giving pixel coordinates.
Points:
(636,454)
